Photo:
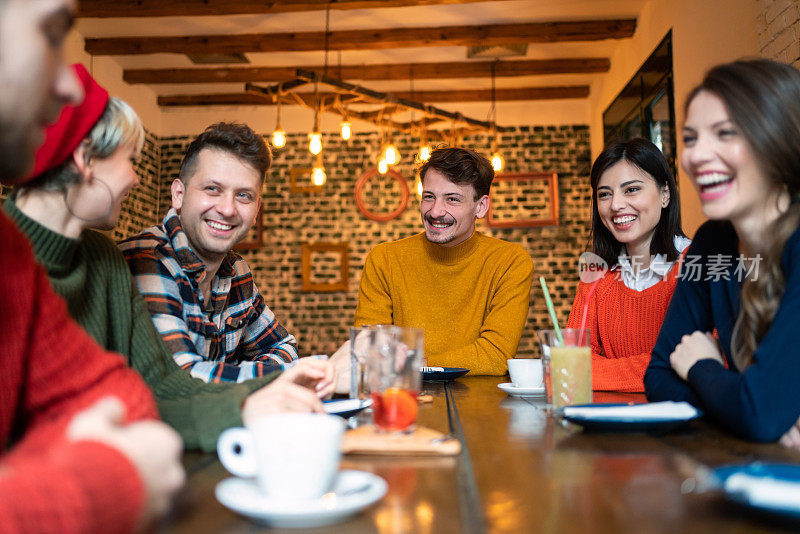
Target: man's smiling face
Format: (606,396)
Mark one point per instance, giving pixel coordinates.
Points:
(218,204)
(449,210)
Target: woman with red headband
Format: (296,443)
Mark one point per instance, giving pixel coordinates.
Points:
(81,177)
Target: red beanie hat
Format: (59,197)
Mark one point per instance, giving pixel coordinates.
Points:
(73,125)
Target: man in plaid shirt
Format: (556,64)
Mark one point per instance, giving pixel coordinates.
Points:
(201,294)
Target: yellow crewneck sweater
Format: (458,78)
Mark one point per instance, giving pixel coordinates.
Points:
(471,299)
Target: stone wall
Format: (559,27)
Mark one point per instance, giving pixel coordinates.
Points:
(321,320)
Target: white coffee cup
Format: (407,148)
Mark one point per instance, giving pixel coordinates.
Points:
(525,372)
(293,456)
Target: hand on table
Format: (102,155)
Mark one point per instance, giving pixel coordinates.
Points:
(152,447)
(792,437)
(693,348)
(298,389)
(341,365)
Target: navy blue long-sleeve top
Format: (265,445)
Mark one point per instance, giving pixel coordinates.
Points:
(762,402)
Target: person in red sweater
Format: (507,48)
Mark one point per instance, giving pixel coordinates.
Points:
(82,451)
(636,229)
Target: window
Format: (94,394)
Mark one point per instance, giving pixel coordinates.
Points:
(646,106)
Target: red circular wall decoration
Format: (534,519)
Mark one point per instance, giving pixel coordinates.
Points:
(381,217)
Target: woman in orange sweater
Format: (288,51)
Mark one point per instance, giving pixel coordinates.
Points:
(636,230)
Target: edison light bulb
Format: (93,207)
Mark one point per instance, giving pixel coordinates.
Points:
(425,153)
(315,143)
(318,175)
(383,166)
(346,131)
(497,162)
(391,155)
(279,138)
(418,187)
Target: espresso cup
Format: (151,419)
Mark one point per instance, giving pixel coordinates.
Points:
(293,456)
(525,372)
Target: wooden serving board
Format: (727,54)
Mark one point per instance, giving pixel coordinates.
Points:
(423,441)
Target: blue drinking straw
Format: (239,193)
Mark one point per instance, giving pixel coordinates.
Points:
(552,311)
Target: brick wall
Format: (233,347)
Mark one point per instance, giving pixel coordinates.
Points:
(137,210)
(321,320)
(779,30)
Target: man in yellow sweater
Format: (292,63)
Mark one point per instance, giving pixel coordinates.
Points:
(469,292)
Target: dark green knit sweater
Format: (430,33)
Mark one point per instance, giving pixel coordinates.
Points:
(93,277)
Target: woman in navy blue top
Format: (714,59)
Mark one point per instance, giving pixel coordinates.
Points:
(741,276)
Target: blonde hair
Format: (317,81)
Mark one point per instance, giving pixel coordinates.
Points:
(118,125)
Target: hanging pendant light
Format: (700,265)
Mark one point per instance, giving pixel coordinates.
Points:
(497,160)
(346,127)
(424,153)
(318,175)
(390,154)
(279,135)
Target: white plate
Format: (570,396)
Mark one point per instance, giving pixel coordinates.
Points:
(352,492)
(515,391)
(346,407)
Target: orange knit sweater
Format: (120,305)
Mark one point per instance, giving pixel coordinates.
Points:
(625,325)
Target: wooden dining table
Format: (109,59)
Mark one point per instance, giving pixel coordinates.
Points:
(522,469)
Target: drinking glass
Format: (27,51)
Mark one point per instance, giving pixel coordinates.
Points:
(359,345)
(567,366)
(393,358)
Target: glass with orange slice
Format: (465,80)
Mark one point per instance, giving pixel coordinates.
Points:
(393,376)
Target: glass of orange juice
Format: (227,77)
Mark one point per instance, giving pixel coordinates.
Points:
(567,366)
(394,356)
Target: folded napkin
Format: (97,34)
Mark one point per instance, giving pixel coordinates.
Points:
(765,491)
(654,411)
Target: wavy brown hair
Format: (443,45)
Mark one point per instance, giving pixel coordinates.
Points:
(762,98)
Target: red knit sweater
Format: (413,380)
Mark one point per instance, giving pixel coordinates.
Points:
(625,325)
(50,369)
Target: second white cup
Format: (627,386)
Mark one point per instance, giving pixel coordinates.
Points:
(525,372)
(293,456)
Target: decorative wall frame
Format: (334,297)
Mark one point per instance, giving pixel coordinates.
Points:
(255,237)
(368,175)
(300,181)
(344,270)
(551,219)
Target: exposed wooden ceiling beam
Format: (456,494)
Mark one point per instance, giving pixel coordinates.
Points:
(463,95)
(377,39)
(160,8)
(405,71)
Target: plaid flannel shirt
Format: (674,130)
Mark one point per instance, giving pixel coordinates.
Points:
(233,338)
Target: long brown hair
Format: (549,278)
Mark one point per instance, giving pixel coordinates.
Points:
(762,98)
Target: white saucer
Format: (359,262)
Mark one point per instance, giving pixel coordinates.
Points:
(352,492)
(346,407)
(515,391)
